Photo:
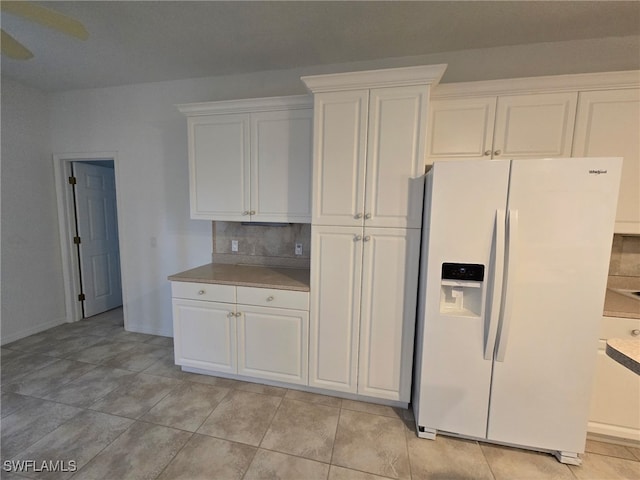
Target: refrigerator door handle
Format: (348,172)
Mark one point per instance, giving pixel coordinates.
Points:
(509,281)
(496,287)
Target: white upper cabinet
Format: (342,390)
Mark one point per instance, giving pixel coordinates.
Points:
(608,124)
(509,126)
(250,160)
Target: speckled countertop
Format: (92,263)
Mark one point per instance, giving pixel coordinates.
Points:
(247,276)
(618,305)
(626,352)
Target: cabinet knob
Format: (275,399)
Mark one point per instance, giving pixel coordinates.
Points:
(270,298)
(366,238)
(497,152)
(357,216)
(231,314)
(201,292)
(252,212)
(246,212)
(238,314)
(487,153)
(635,332)
(367,216)
(357,238)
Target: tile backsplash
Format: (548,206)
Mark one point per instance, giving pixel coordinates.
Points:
(262,244)
(625,256)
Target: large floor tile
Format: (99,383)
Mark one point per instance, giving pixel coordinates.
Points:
(341,473)
(23,428)
(93,385)
(78,440)
(509,463)
(12,402)
(373,408)
(610,449)
(62,348)
(371,443)
(274,465)
(162,341)
(45,379)
(166,367)
(125,336)
(139,358)
(303,429)
(446,457)
(140,453)
(601,467)
(241,417)
(137,396)
(204,458)
(186,407)
(314,398)
(102,351)
(260,388)
(19,367)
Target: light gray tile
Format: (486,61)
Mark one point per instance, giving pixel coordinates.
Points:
(303,429)
(19,367)
(341,473)
(260,388)
(600,467)
(609,449)
(28,425)
(274,465)
(373,408)
(45,379)
(446,457)
(371,443)
(105,329)
(314,398)
(186,407)
(241,417)
(141,452)
(162,341)
(204,458)
(508,463)
(13,402)
(93,385)
(79,440)
(102,352)
(139,358)
(62,348)
(125,336)
(137,396)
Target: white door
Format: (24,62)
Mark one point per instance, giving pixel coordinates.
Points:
(281,166)
(396,156)
(555,291)
(97,224)
(273,343)
(336,275)
(339,150)
(389,294)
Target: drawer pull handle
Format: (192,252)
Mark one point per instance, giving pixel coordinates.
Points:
(201,292)
(635,332)
(270,298)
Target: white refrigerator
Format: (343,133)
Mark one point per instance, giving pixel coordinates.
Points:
(514,264)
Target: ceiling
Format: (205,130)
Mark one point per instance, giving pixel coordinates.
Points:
(135,42)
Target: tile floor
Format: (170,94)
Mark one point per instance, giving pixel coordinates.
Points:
(114,403)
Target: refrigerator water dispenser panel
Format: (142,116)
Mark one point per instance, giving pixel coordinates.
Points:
(461,289)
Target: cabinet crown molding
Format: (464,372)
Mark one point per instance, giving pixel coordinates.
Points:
(425,74)
(246,105)
(546,84)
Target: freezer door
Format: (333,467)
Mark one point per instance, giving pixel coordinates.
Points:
(452,389)
(564,211)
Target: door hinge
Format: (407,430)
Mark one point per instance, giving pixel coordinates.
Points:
(81,297)
(76,240)
(72,180)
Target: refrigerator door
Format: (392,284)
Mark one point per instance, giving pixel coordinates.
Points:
(565,210)
(452,388)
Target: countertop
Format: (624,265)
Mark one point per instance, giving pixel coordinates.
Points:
(247,276)
(626,352)
(618,305)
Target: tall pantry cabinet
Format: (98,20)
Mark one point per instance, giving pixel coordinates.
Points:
(368,166)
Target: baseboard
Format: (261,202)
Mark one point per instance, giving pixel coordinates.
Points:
(603,432)
(30,331)
(149,331)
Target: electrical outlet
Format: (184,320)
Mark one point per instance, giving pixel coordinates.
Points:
(298,249)
(234,245)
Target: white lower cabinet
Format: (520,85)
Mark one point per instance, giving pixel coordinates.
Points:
(214,333)
(363,306)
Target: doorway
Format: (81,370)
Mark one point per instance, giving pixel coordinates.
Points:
(89,233)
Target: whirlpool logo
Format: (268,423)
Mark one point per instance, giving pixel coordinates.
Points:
(597,172)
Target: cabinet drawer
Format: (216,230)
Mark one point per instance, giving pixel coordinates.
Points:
(272,297)
(618,327)
(204,291)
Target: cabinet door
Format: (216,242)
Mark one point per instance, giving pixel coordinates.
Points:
(340,133)
(388,312)
(461,128)
(273,343)
(336,268)
(204,335)
(219,167)
(534,126)
(281,166)
(608,125)
(396,156)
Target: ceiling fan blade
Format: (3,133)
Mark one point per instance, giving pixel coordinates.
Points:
(14,49)
(46,17)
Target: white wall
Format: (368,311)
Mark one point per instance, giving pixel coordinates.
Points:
(32,290)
